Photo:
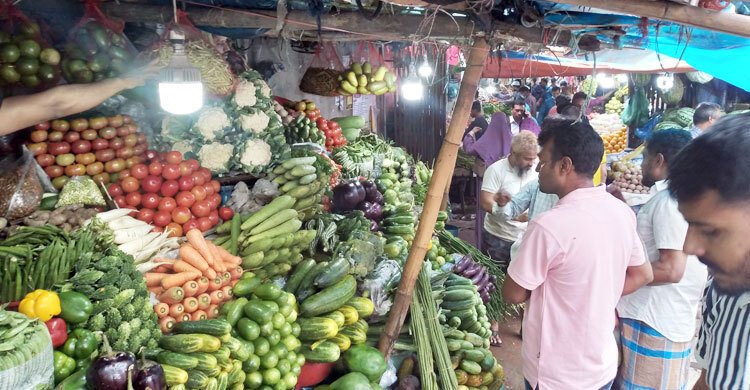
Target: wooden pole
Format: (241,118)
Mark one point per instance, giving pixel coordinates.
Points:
(733,24)
(444,164)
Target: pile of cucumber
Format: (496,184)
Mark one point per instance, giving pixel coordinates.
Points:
(269,241)
(299,178)
(303,130)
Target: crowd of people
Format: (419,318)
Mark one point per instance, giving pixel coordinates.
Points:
(612,297)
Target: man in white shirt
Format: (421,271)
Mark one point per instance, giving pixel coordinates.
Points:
(509,174)
(705,115)
(518,114)
(658,321)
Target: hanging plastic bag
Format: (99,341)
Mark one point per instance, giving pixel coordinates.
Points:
(368,73)
(29,61)
(322,75)
(96,47)
(636,109)
(202,52)
(20,189)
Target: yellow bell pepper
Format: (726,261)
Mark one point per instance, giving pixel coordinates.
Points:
(40,304)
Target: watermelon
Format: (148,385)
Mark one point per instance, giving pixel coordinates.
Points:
(641,80)
(664,125)
(684,116)
(674,95)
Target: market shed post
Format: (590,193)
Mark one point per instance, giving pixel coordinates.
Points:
(444,164)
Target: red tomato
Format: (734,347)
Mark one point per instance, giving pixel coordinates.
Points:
(199,192)
(162,218)
(170,188)
(46,160)
(226,213)
(129,184)
(201,209)
(206,174)
(146,215)
(190,225)
(42,126)
(150,154)
(133,199)
(115,190)
(214,218)
(198,179)
(185,169)
(193,164)
(139,171)
(173,157)
(174,229)
(171,172)
(209,188)
(124,172)
(185,199)
(157,229)
(151,183)
(186,182)
(329,141)
(167,204)
(204,224)
(155,168)
(150,200)
(214,200)
(120,201)
(181,214)
(216,185)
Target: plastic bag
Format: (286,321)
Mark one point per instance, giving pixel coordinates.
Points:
(20,189)
(322,75)
(35,373)
(96,47)
(81,190)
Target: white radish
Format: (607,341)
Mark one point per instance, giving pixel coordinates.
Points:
(134,246)
(126,235)
(111,215)
(153,247)
(125,222)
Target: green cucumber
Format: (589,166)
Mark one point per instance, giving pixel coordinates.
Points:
(293,162)
(331,298)
(214,327)
(306,285)
(292,284)
(459,295)
(308,179)
(335,271)
(275,220)
(303,170)
(280,203)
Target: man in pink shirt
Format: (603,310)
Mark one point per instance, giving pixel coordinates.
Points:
(575,262)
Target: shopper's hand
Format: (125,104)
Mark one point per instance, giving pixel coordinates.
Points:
(523,218)
(502,198)
(475,130)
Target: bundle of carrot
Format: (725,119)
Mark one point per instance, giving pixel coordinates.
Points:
(195,285)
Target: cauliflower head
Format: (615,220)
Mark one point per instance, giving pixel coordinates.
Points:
(183,147)
(255,122)
(216,156)
(244,94)
(256,153)
(211,123)
(263,89)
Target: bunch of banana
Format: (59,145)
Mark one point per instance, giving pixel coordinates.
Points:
(360,79)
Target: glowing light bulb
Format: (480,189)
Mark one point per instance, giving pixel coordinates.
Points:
(412,89)
(665,82)
(181,98)
(605,81)
(425,70)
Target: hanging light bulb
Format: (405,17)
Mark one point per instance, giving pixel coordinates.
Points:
(412,88)
(621,78)
(490,89)
(180,86)
(605,81)
(425,70)
(665,82)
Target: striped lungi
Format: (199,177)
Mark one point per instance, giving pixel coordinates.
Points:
(649,360)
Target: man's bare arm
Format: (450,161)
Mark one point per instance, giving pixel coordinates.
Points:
(670,267)
(637,277)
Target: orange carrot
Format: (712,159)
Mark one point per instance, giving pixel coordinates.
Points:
(227,290)
(194,258)
(198,315)
(191,288)
(166,324)
(221,266)
(153,279)
(163,268)
(176,310)
(216,297)
(161,309)
(236,272)
(158,290)
(191,304)
(172,295)
(215,284)
(195,238)
(184,317)
(204,301)
(233,282)
(184,266)
(178,279)
(202,284)
(213,311)
(228,258)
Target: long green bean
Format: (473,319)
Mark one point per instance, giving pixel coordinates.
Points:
(424,293)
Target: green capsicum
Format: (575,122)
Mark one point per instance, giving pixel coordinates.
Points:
(63,365)
(76,381)
(76,307)
(81,344)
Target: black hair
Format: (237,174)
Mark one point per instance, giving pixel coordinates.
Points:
(563,83)
(476,106)
(562,100)
(579,95)
(519,102)
(704,112)
(716,160)
(569,110)
(555,88)
(524,89)
(545,80)
(575,140)
(667,142)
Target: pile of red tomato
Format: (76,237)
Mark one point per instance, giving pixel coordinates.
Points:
(332,131)
(99,147)
(171,193)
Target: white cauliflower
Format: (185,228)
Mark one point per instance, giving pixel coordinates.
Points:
(211,122)
(183,147)
(265,90)
(215,156)
(244,94)
(255,122)
(256,153)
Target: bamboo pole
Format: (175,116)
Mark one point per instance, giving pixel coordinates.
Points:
(444,164)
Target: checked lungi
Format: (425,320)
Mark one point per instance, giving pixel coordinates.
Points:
(649,360)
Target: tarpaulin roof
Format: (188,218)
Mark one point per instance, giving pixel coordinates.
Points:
(722,55)
(511,64)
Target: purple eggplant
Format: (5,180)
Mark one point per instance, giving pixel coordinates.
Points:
(478,276)
(462,264)
(370,190)
(109,371)
(491,288)
(374,227)
(378,198)
(372,210)
(346,196)
(493,279)
(471,270)
(149,375)
(484,281)
(485,296)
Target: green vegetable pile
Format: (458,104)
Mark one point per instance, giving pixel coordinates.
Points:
(422,177)
(21,338)
(39,258)
(358,158)
(122,309)
(304,178)
(303,130)
(95,53)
